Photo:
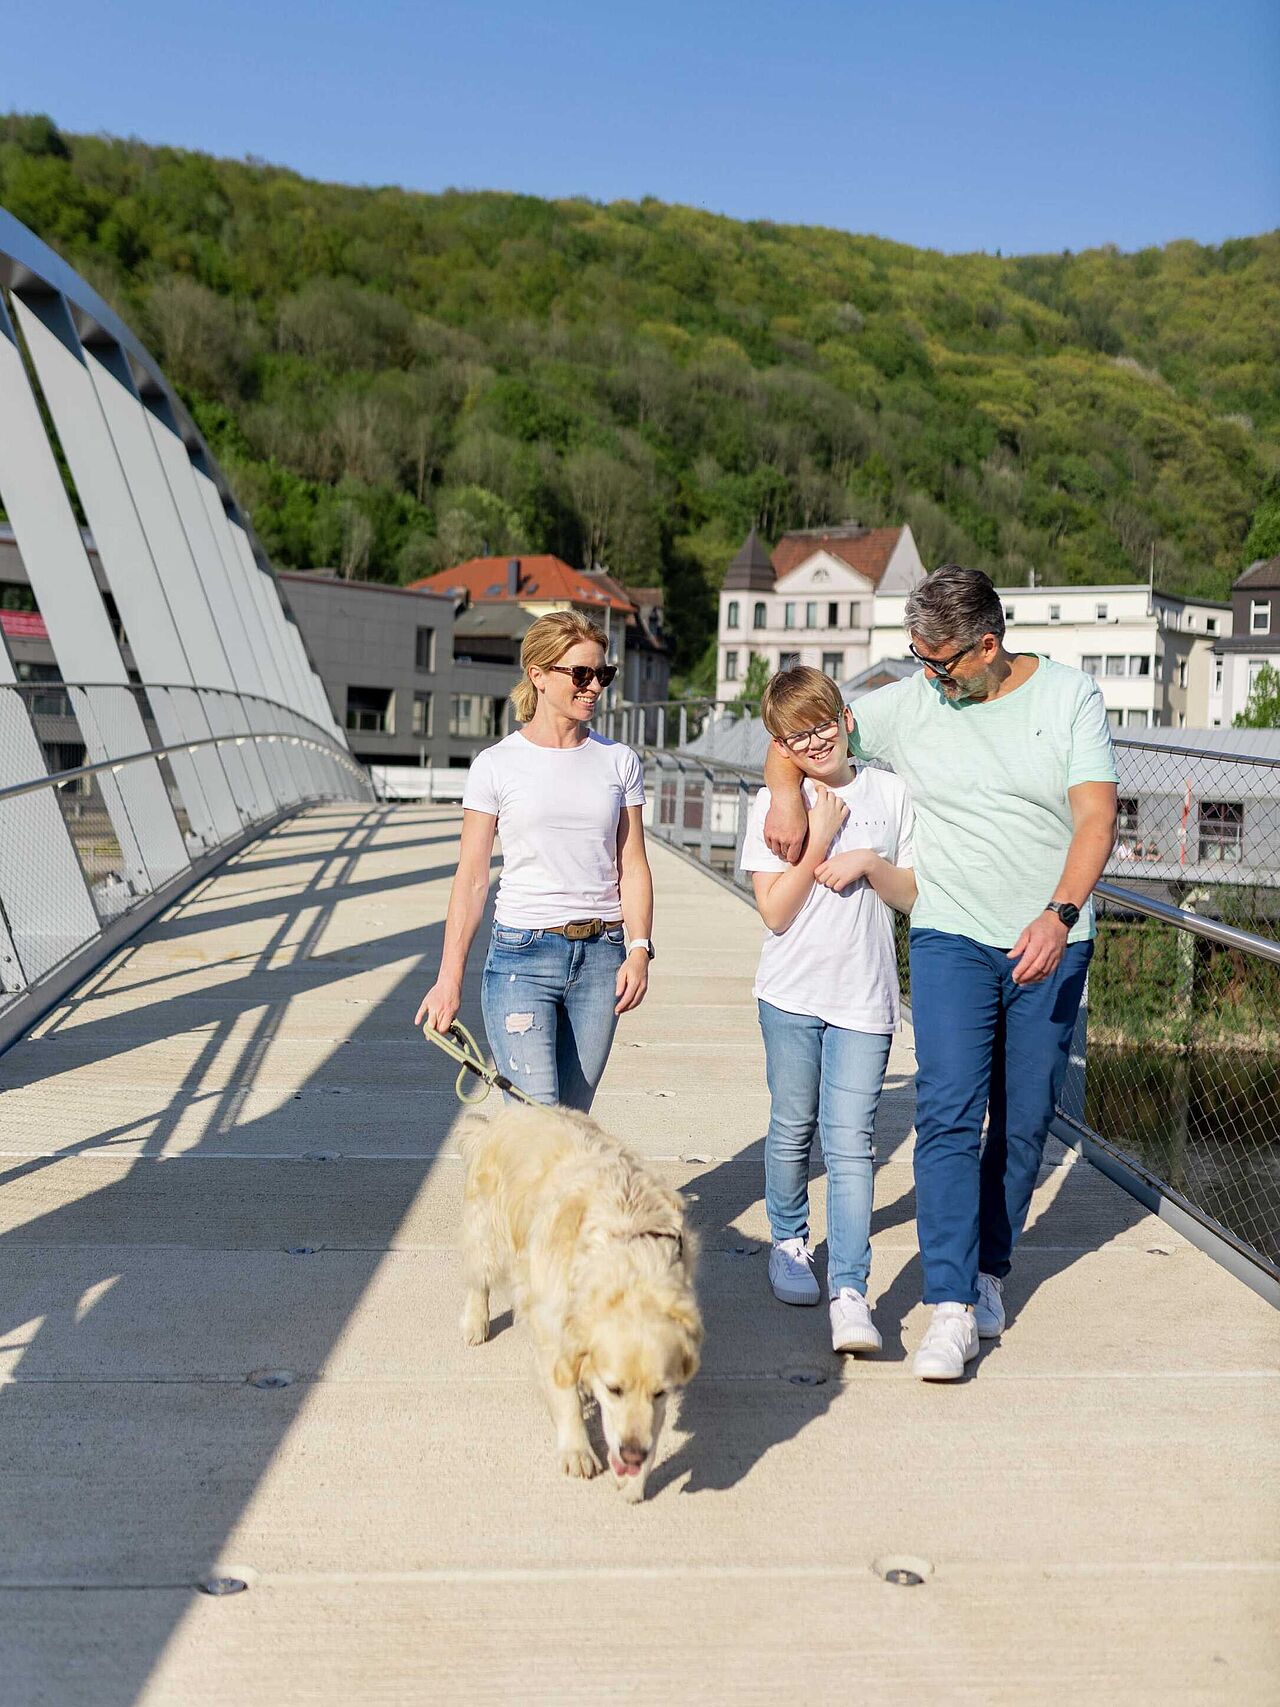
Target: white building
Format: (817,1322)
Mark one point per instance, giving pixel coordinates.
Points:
(1252,642)
(813,602)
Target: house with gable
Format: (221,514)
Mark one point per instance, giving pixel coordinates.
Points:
(810,601)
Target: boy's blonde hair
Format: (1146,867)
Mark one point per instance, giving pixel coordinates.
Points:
(802,698)
(545,644)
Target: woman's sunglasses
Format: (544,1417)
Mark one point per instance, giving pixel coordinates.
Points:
(582,673)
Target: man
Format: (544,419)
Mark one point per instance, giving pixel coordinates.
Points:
(1012,775)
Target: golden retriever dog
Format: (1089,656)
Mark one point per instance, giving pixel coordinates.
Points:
(600,1267)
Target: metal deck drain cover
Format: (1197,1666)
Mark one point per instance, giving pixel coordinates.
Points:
(903,1570)
(271,1378)
(222,1585)
(301,1250)
(807,1378)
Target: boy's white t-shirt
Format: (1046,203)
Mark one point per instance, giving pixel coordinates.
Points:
(557,810)
(836,960)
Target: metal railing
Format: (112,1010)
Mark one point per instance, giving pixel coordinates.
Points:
(87,840)
(1176,1065)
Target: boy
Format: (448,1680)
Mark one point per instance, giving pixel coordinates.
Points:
(827,990)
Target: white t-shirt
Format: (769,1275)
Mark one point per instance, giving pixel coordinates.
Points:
(557,810)
(836,960)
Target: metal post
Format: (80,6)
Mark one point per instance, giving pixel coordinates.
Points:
(708,804)
(684,726)
(661,740)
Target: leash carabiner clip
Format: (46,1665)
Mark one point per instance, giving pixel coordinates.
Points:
(460,1046)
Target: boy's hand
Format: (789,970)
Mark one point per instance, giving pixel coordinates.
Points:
(843,870)
(826,815)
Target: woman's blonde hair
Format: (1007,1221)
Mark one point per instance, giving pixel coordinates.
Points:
(545,644)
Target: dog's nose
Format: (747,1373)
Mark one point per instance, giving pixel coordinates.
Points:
(633,1455)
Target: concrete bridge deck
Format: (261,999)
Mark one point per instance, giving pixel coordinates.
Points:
(226,1155)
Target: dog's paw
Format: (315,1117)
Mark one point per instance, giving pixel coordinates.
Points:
(579,1461)
(475,1327)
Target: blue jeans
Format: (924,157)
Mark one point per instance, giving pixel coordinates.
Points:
(985,1046)
(548,1010)
(822,1078)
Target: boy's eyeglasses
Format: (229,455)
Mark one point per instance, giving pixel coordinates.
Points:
(799,741)
(941,666)
(582,673)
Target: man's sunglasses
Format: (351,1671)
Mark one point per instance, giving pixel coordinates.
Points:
(941,666)
(800,740)
(582,673)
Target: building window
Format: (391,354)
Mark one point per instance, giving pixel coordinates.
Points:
(369,710)
(422,714)
(1217,675)
(731,666)
(1139,666)
(424,651)
(1211,625)
(1091,664)
(789,615)
(833,615)
(1115,666)
(471,715)
(1259,616)
(1221,827)
(1100,613)
(731,614)
(1113,718)
(855,615)
(788,660)
(1182,672)
(1256,667)
(1008,613)
(757,615)
(833,664)
(1136,720)
(811,614)
(1126,817)
(1055,613)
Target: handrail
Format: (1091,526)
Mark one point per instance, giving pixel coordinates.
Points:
(58,779)
(1229,936)
(241,696)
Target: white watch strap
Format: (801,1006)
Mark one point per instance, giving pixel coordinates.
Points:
(641,942)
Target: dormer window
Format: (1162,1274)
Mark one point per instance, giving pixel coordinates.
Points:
(1259,616)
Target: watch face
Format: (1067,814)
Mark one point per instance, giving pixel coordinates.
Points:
(1068,912)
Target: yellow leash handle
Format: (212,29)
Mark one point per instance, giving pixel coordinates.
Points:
(460,1046)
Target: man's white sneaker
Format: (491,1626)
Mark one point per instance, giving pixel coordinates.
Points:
(791,1272)
(950,1341)
(851,1326)
(988,1312)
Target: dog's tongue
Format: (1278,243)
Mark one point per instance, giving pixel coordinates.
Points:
(621,1469)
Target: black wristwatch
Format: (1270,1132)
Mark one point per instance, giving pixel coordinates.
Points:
(1067,911)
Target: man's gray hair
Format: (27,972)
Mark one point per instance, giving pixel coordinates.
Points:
(955,604)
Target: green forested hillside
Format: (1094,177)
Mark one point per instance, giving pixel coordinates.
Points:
(393,380)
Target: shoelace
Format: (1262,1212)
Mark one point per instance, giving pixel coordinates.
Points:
(953,1328)
(801,1260)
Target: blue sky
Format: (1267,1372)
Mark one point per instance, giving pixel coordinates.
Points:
(981,125)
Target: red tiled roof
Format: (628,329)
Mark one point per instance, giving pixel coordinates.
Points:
(544,577)
(868,553)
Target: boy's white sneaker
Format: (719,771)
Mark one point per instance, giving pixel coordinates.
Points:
(851,1326)
(791,1272)
(988,1312)
(950,1341)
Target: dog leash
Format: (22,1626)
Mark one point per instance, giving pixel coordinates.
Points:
(460,1046)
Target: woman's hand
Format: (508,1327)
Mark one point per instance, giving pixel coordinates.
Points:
(633,981)
(439,1007)
(826,815)
(843,870)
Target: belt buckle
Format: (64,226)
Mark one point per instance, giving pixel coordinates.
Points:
(578,930)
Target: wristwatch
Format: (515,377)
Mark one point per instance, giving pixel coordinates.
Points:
(641,942)
(1067,911)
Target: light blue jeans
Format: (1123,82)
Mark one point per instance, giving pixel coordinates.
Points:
(548,1010)
(823,1079)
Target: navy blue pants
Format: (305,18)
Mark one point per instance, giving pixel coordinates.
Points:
(986,1048)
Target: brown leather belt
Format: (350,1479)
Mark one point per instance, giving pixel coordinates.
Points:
(581,930)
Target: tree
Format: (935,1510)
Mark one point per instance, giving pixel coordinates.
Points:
(753,685)
(1262,708)
(1264,535)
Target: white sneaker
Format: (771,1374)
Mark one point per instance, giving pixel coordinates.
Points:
(950,1341)
(851,1326)
(791,1272)
(988,1312)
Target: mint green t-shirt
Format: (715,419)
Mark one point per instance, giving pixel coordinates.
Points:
(989,786)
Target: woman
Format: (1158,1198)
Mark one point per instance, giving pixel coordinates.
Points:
(566,803)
